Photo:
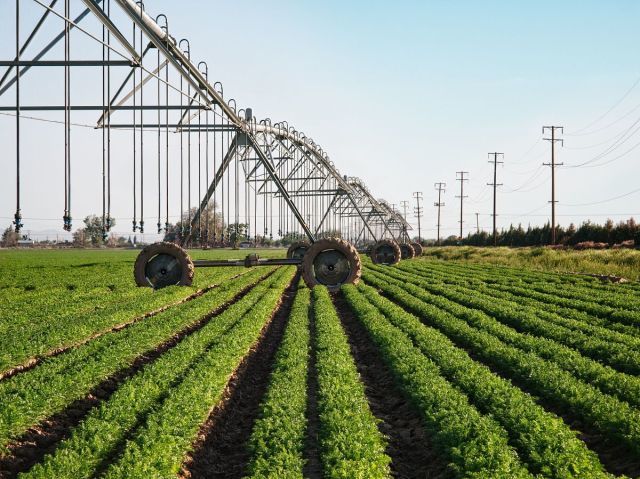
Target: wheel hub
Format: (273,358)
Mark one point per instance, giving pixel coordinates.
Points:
(163,270)
(331,267)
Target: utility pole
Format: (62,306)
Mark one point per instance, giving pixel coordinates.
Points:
(477,223)
(417,212)
(404,204)
(441,189)
(460,177)
(553,166)
(495,184)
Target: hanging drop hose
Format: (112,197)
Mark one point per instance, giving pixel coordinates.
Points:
(204,236)
(135,142)
(104,140)
(182,228)
(166,130)
(108,98)
(67,124)
(159,223)
(141,133)
(17,217)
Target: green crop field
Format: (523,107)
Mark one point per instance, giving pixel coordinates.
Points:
(442,366)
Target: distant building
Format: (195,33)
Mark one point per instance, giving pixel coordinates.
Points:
(25,243)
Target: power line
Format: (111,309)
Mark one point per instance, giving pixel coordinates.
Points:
(607,200)
(626,94)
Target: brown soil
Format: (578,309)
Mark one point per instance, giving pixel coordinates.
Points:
(409,446)
(35,361)
(221,449)
(313,466)
(40,440)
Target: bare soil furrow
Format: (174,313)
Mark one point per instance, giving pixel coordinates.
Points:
(411,451)
(221,449)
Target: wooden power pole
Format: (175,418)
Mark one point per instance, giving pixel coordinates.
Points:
(553,166)
(441,189)
(495,184)
(461,178)
(417,211)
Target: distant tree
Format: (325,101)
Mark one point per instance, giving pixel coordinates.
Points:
(211,222)
(94,229)
(9,237)
(80,238)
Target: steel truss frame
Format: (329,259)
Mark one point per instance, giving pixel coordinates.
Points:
(271,162)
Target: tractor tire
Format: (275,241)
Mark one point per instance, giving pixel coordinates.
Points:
(297,249)
(331,262)
(407,251)
(417,247)
(385,251)
(163,264)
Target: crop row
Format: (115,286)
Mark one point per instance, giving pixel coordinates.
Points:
(592,291)
(607,414)
(147,426)
(616,355)
(624,386)
(350,443)
(544,441)
(562,315)
(278,437)
(32,396)
(38,330)
(475,444)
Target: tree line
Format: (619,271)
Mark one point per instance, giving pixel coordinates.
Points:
(609,233)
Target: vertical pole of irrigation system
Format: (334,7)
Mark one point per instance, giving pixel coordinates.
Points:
(495,184)
(417,210)
(441,189)
(460,177)
(553,166)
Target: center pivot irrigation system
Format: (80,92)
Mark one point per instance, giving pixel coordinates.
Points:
(254,180)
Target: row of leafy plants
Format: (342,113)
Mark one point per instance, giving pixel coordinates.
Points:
(528,320)
(32,330)
(34,395)
(547,445)
(148,425)
(564,316)
(606,414)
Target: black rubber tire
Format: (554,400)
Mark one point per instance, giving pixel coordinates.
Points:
(149,252)
(345,248)
(296,247)
(407,251)
(417,247)
(377,257)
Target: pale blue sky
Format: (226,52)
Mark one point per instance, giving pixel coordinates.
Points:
(402,94)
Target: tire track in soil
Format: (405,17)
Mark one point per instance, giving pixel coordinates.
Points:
(616,458)
(409,446)
(42,439)
(221,448)
(37,360)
